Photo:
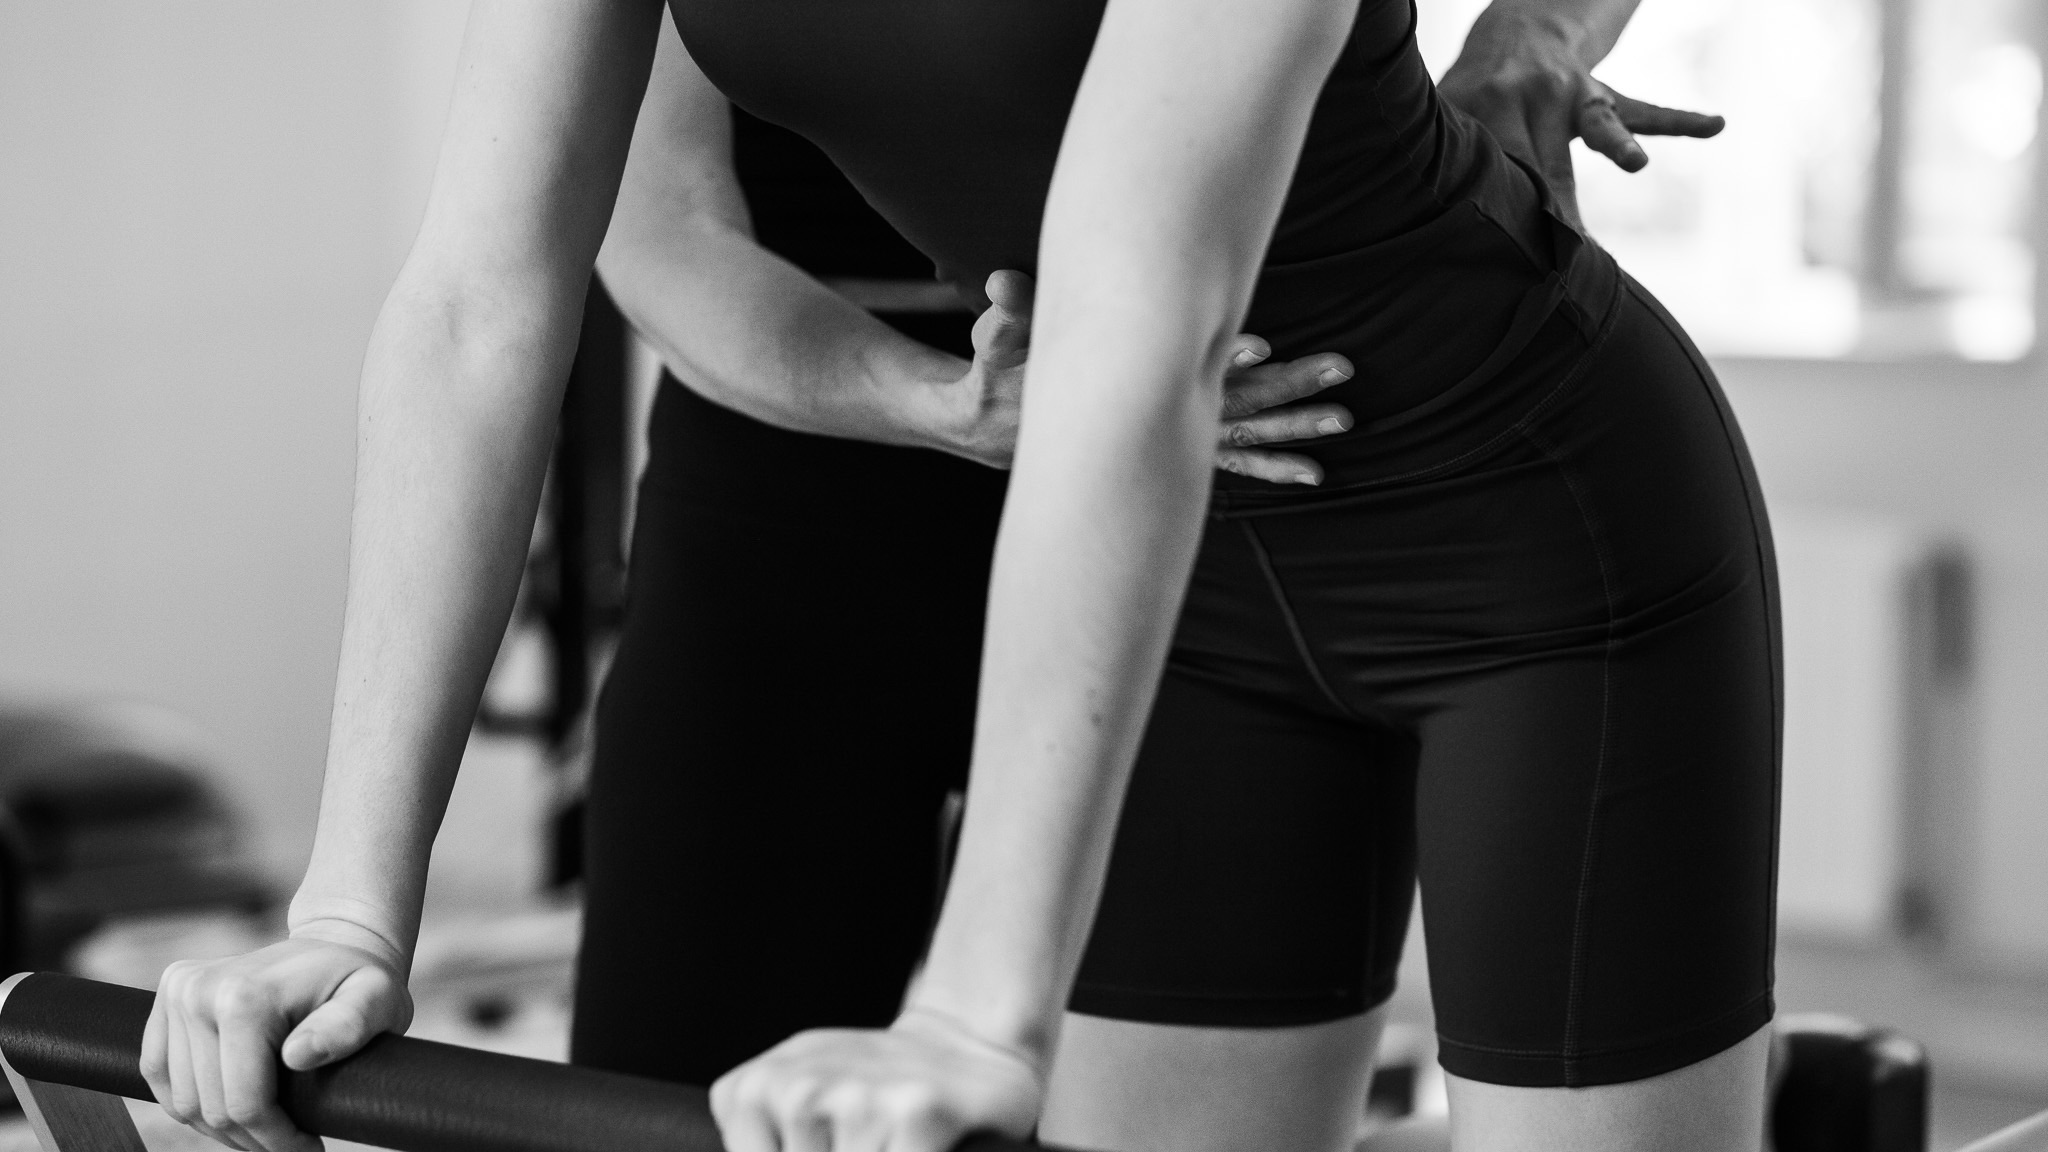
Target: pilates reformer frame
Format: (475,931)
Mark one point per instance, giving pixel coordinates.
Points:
(70,1047)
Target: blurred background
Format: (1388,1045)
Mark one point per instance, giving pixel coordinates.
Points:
(202,204)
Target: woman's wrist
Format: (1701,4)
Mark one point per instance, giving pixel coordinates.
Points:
(1585,29)
(1019,1015)
(924,1020)
(927,396)
(352,923)
(1512,25)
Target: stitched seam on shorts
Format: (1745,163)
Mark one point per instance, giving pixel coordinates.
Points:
(1294,632)
(1748,1005)
(1589,853)
(1765,567)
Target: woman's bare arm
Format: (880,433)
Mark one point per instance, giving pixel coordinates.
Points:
(460,387)
(751,331)
(739,323)
(1177,154)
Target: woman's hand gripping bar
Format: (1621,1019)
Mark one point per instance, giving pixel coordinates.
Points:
(70,1045)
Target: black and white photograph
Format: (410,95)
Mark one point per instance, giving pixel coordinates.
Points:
(978,575)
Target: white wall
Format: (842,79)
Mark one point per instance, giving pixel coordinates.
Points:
(1963,450)
(201,205)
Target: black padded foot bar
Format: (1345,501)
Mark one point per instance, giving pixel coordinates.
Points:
(399,1093)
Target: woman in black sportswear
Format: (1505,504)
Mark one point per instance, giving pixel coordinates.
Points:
(1533,592)
(793,698)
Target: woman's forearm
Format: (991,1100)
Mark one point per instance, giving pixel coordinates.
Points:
(1097,539)
(756,334)
(456,416)
(1170,177)
(736,322)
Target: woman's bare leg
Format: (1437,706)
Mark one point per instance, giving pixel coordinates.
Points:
(1119,1086)
(1716,1105)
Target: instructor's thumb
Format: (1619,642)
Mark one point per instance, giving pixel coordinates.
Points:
(1002,335)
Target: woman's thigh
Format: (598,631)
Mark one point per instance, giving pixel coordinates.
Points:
(1251,922)
(1712,1105)
(1580,634)
(1128,1086)
(791,702)
(1597,793)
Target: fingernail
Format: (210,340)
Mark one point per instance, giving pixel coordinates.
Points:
(1306,478)
(1329,424)
(1246,357)
(1334,376)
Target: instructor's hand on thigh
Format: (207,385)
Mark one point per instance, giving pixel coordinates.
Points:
(1253,392)
(211,1047)
(918,1086)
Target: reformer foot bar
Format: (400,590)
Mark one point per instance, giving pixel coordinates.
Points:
(71,1046)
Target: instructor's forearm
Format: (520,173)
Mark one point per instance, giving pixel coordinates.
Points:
(457,413)
(1589,27)
(756,334)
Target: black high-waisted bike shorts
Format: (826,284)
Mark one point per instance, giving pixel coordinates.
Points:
(1531,657)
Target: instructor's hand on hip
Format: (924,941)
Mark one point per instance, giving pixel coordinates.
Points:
(1520,74)
(1253,392)
(918,1086)
(219,1027)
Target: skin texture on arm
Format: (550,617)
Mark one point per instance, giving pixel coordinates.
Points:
(1526,73)
(1177,154)
(742,325)
(754,333)
(460,388)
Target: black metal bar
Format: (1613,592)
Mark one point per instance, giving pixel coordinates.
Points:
(398,1093)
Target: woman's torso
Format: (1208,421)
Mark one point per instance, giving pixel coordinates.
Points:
(1407,242)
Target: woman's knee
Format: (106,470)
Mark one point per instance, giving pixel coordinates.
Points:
(1712,1105)
(1129,1086)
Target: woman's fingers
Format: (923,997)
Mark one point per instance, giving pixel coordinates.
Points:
(1254,394)
(1276,427)
(1011,291)
(154,1064)
(744,1122)
(1609,123)
(1273,467)
(1553,121)
(1656,120)
(181,1099)
(1601,128)
(857,1125)
(913,1088)
(250,1020)
(1254,389)
(211,1046)
(1002,333)
(362,1005)
(192,1051)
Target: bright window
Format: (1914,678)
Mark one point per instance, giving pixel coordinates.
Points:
(1872,195)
